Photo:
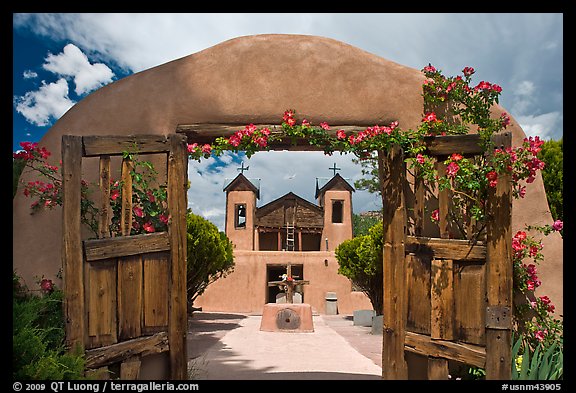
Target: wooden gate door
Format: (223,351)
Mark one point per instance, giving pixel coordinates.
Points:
(445,299)
(125,296)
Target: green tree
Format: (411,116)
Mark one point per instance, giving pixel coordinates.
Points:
(370,180)
(360,259)
(210,255)
(552,175)
(361,224)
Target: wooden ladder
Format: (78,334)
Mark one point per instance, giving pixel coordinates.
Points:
(289,237)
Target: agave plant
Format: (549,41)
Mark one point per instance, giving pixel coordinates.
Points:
(540,365)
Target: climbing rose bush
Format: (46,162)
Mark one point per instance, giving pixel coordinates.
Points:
(149,211)
(534,315)
(47,193)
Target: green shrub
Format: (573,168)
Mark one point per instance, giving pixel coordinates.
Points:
(542,363)
(360,259)
(38,335)
(552,175)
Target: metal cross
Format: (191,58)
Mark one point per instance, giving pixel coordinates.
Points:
(334,168)
(242,169)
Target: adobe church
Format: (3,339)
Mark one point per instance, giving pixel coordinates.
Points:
(289,231)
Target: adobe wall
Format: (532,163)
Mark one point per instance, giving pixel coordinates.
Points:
(243,238)
(336,233)
(252,79)
(244,290)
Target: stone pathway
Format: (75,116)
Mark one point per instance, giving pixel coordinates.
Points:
(231,346)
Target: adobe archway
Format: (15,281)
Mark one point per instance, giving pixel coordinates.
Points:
(253,79)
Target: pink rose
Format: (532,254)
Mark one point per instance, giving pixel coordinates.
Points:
(138,212)
(47,286)
(436,215)
(430,116)
(558,225)
(452,169)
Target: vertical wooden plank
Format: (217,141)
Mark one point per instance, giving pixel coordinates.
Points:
(299,240)
(442,300)
(156,270)
(419,199)
(279,239)
(470,303)
(418,293)
(499,271)
(130,368)
(443,204)
(129,297)
(126,217)
(437,368)
(101,303)
(105,212)
(441,288)
(177,205)
(72,259)
(392,175)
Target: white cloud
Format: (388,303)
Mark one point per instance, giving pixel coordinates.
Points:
(29,74)
(49,102)
(545,125)
(72,62)
(523,97)
(525,88)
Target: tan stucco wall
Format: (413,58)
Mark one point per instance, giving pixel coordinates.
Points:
(244,290)
(252,79)
(243,238)
(336,233)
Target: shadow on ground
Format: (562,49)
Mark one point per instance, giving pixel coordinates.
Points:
(211,359)
(206,329)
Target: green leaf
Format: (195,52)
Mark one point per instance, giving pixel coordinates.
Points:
(524,367)
(534,364)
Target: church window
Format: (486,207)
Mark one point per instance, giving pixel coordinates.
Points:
(337,211)
(240,216)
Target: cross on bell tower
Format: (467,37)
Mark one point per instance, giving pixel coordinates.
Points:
(334,168)
(242,168)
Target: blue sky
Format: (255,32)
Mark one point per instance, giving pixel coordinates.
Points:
(61,58)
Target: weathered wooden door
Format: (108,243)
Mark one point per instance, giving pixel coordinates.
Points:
(445,299)
(125,296)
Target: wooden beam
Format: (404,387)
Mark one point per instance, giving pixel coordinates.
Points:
(72,262)
(177,206)
(113,247)
(445,145)
(419,203)
(499,272)
(129,297)
(442,299)
(126,195)
(465,353)
(101,303)
(130,368)
(444,201)
(104,215)
(207,133)
(437,368)
(458,250)
(114,145)
(392,172)
(119,352)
